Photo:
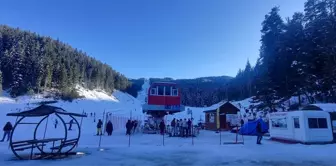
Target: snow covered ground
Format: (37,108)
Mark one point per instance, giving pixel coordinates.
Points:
(149,149)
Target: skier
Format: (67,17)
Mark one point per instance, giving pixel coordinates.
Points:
(7,131)
(109,128)
(259,132)
(173,125)
(56,123)
(162,127)
(91,114)
(129,127)
(99,127)
(70,124)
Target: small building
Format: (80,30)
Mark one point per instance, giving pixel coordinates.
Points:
(326,107)
(221,116)
(301,126)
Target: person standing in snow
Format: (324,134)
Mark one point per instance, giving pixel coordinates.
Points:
(7,131)
(99,127)
(56,123)
(177,127)
(173,125)
(181,128)
(70,124)
(189,127)
(129,127)
(185,128)
(162,127)
(135,125)
(109,128)
(259,132)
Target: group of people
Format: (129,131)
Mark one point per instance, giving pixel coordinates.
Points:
(70,124)
(108,128)
(182,128)
(131,126)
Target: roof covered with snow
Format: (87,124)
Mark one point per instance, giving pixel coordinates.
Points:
(328,107)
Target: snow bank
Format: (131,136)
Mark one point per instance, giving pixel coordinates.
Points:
(118,104)
(95,94)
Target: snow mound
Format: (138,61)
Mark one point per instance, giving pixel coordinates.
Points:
(142,95)
(95,94)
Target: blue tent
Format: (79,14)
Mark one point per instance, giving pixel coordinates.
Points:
(250,127)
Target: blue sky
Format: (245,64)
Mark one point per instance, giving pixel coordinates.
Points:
(154,38)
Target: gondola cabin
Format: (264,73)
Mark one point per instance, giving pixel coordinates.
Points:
(163,98)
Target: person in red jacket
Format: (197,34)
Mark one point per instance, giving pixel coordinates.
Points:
(7,131)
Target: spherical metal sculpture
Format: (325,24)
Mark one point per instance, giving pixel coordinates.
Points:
(65,146)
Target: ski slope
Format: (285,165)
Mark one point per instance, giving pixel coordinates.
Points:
(142,95)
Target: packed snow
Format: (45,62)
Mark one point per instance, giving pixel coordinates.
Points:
(208,148)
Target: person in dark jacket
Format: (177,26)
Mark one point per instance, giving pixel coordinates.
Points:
(259,133)
(56,123)
(99,127)
(7,131)
(173,125)
(129,127)
(241,122)
(109,128)
(189,127)
(135,125)
(162,127)
(70,124)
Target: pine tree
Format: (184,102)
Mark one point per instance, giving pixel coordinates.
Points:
(29,62)
(267,84)
(17,73)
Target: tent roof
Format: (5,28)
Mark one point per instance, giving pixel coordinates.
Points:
(328,107)
(44,110)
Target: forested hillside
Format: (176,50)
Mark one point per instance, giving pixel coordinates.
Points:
(203,91)
(32,63)
(297,57)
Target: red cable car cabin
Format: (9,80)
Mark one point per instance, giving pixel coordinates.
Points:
(163,98)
